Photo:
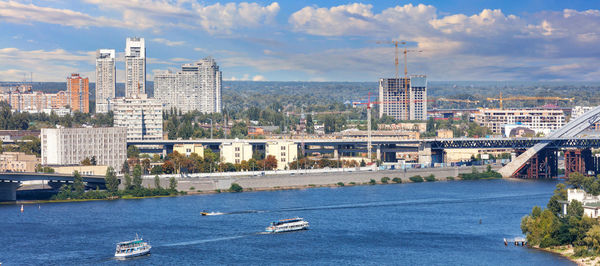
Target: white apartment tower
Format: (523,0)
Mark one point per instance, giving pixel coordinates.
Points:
(196,87)
(106,79)
(135,67)
(141,116)
(404,99)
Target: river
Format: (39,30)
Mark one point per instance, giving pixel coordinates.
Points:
(440,223)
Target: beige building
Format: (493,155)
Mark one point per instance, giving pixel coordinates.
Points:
(445,134)
(69,146)
(188,149)
(377,134)
(418,127)
(83,169)
(18,162)
(235,152)
(539,120)
(284,151)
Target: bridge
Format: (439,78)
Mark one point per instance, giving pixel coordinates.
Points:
(9,182)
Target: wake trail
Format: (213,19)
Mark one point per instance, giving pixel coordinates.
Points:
(378,204)
(195,242)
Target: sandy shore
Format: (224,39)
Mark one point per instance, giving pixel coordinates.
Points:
(567,252)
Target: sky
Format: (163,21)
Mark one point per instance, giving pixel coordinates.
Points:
(327,40)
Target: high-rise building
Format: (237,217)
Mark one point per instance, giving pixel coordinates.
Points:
(135,67)
(142,116)
(196,87)
(106,79)
(70,146)
(78,90)
(404,99)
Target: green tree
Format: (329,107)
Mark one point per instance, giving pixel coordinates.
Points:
(310,125)
(133,152)
(127,181)
(78,184)
(86,161)
(235,187)
(94,161)
(125,168)
(112,183)
(172,184)
(575,208)
(560,194)
(137,176)
(157,182)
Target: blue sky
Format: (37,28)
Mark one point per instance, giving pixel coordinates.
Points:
(308,40)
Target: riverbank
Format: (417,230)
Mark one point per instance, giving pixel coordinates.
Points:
(567,252)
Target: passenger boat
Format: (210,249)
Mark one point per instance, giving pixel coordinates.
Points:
(133,248)
(287,225)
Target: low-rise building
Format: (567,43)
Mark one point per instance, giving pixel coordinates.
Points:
(70,146)
(591,203)
(141,116)
(284,151)
(378,134)
(418,127)
(188,149)
(235,152)
(539,120)
(18,162)
(445,134)
(82,169)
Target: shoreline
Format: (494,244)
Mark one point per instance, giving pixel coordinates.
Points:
(567,252)
(250,189)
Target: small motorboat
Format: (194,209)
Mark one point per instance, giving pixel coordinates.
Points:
(205,213)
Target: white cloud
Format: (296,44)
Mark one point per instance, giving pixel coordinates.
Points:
(20,13)
(221,19)
(258,78)
(168,42)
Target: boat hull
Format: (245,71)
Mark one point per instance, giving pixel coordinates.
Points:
(132,255)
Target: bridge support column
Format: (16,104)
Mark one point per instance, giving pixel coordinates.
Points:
(8,191)
(542,165)
(424,153)
(378,152)
(578,161)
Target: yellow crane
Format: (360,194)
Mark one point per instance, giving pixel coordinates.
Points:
(527,98)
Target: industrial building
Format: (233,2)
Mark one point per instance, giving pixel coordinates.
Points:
(403,98)
(70,146)
(197,87)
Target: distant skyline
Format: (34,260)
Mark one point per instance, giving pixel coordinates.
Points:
(307,40)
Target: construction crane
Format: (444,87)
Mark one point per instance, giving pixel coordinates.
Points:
(457,100)
(396,63)
(527,98)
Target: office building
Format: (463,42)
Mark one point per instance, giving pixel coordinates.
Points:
(141,116)
(403,99)
(135,67)
(539,120)
(106,79)
(188,149)
(284,151)
(70,146)
(196,87)
(78,93)
(235,152)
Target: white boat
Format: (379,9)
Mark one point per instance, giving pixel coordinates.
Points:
(133,248)
(204,213)
(287,225)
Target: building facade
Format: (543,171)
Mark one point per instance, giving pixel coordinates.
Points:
(70,146)
(403,99)
(18,162)
(284,151)
(36,101)
(539,120)
(188,149)
(135,67)
(141,116)
(235,152)
(78,91)
(106,78)
(196,87)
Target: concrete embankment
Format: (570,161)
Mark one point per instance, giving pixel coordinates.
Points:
(301,179)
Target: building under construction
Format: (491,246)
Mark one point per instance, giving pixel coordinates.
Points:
(403,98)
